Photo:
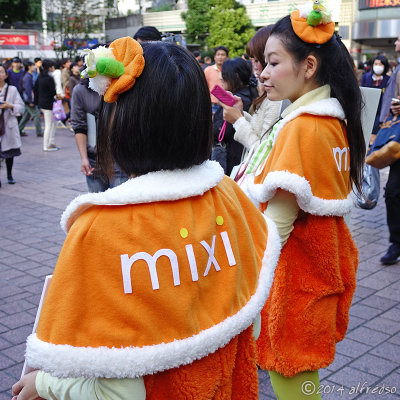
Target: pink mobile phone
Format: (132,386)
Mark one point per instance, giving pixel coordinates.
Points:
(223,96)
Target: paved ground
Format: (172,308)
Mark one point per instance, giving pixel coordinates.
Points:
(31,238)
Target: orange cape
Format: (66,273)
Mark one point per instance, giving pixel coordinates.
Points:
(307,309)
(156,273)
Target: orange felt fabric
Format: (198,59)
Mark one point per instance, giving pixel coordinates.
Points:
(87,286)
(306,313)
(305,147)
(229,373)
(130,53)
(311,34)
(307,309)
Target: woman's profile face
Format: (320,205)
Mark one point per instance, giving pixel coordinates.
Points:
(225,84)
(257,67)
(3,74)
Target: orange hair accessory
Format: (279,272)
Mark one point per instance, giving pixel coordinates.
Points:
(319,34)
(130,53)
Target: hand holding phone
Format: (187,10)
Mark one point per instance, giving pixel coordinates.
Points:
(223,96)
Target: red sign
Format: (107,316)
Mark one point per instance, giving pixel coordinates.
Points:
(14,40)
(368,4)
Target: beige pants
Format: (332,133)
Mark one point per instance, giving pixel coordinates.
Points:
(49,129)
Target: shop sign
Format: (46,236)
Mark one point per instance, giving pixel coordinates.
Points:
(370,4)
(14,40)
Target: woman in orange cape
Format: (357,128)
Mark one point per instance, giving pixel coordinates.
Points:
(160,279)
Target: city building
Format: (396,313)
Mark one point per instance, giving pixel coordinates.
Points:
(376,27)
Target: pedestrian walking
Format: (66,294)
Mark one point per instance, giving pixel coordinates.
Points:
(158,338)
(85,110)
(303,183)
(213,72)
(392,188)
(236,74)
(31,110)
(377,79)
(11,105)
(74,78)
(15,73)
(36,72)
(44,92)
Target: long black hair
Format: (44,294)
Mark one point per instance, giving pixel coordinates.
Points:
(236,72)
(46,65)
(163,121)
(335,69)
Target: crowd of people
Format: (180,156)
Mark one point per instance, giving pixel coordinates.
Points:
(216,275)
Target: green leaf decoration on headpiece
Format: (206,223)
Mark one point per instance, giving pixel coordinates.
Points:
(110,67)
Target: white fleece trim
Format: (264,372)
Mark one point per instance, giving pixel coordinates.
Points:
(152,187)
(301,188)
(67,361)
(327,107)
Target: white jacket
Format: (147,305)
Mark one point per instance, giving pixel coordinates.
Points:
(11,139)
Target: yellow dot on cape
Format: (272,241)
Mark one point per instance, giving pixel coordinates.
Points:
(184,233)
(220,220)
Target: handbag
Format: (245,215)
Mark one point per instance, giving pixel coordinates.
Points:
(58,111)
(386,148)
(370,188)
(2,121)
(219,152)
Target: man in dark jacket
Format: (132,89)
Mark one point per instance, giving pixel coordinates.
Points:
(31,109)
(85,106)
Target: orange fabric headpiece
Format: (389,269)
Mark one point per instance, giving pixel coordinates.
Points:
(319,34)
(130,53)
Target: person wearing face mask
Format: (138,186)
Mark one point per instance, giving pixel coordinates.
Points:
(377,78)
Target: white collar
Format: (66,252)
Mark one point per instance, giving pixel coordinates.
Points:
(152,187)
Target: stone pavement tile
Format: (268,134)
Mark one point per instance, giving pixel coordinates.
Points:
(382,303)
(265,389)
(388,351)
(17,320)
(351,348)
(354,322)
(391,292)
(365,312)
(4,344)
(17,336)
(339,362)
(6,257)
(35,288)
(383,325)
(16,353)
(350,377)
(27,265)
(395,339)
(363,292)
(379,280)
(6,381)
(393,314)
(393,381)
(8,290)
(16,306)
(16,247)
(40,257)
(22,295)
(10,273)
(335,391)
(5,362)
(16,370)
(25,280)
(324,373)
(374,365)
(41,271)
(367,336)
(28,252)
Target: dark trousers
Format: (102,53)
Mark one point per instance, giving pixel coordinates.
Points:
(392,199)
